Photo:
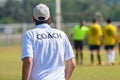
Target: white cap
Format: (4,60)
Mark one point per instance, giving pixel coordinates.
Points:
(41,12)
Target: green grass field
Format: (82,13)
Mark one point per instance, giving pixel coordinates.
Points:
(10,66)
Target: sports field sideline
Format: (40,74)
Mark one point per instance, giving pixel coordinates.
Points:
(10,66)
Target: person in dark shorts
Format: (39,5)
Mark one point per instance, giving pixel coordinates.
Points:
(94,40)
(118,39)
(109,36)
(79,33)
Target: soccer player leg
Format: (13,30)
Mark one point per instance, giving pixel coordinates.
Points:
(91,54)
(76,55)
(98,54)
(112,56)
(108,57)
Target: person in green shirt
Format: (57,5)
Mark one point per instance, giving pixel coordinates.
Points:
(78,35)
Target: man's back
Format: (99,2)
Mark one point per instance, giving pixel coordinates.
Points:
(118,34)
(94,34)
(44,50)
(79,32)
(49,52)
(109,32)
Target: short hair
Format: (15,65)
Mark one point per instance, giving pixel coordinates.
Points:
(108,20)
(40,22)
(82,21)
(95,20)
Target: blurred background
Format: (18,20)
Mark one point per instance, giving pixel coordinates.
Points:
(16,18)
(16,15)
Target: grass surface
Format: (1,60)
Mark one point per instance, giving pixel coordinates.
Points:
(10,66)
(10,63)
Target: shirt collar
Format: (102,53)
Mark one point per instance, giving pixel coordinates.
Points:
(43,26)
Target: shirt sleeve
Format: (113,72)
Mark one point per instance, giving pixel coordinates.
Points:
(27,50)
(68,50)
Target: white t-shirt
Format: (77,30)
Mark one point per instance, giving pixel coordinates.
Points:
(49,48)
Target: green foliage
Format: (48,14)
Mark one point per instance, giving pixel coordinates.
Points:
(8,20)
(71,11)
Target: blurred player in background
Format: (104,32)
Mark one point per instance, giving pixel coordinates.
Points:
(45,50)
(109,36)
(79,33)
(94,40)
(118,39)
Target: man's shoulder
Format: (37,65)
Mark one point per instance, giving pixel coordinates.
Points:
(109,26)
(113,26)
(85,27)
(76,26)
(57,30)
(29,31)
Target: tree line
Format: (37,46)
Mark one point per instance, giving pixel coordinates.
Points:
(16,11)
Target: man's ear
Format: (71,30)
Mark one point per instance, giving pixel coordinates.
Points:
(33,19)
(49,20)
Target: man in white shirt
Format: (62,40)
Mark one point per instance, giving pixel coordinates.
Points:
(45,49)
